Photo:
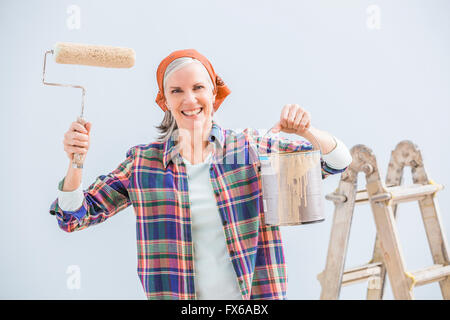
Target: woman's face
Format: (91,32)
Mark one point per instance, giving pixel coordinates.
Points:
(189,97)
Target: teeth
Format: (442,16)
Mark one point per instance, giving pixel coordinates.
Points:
(190,113)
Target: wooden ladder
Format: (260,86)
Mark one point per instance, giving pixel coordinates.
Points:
(383,199)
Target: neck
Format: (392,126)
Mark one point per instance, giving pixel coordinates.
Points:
(194,144)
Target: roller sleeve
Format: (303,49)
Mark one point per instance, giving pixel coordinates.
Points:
(94,55)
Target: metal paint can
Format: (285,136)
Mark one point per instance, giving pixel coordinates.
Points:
(292,187)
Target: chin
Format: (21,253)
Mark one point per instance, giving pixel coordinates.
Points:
(197,123)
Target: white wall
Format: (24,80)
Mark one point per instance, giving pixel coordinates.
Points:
(370,86)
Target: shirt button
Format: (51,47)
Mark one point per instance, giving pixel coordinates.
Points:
(232,252)
(225,222)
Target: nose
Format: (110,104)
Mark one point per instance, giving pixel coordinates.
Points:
(190,98)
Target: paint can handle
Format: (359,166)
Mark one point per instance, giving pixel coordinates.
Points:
(314,137)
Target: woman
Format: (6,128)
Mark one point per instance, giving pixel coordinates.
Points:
(196,192)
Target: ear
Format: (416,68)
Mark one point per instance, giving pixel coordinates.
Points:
(166,104)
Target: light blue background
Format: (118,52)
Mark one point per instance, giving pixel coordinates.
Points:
(374,87)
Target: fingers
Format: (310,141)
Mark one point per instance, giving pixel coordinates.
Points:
(291,116)
(88,127)
(305,122)
(71,137)
(293,111)
(74,149)
(76,146)
(294,119)
(276,128)
(76,139)
(76,126)
(284,116)
(298,118)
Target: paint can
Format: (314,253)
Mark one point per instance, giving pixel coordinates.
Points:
(292,187)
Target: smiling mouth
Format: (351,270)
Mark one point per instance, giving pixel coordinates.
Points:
(192,113)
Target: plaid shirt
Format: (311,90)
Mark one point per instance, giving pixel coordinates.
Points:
(153,179)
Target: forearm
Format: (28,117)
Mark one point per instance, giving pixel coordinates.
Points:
(73,178)
(326,140)
(334,152)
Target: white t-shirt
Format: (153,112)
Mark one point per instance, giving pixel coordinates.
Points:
(215,277)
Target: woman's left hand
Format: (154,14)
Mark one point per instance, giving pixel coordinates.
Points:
(293,119)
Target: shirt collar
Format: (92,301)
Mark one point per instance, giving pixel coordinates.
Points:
(172,150)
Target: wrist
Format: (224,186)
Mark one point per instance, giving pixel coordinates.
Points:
(73,178)
(320,139)
(312,136)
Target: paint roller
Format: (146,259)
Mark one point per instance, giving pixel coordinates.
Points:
(88,55)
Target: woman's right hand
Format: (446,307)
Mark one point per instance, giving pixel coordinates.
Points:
(77,139)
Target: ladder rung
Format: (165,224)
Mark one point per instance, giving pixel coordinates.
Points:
(434,273)
(336,197)
(361,273)
(398,194)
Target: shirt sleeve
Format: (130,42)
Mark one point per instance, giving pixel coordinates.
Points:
(70,200)
(106,196)
(338,158)
(269,142)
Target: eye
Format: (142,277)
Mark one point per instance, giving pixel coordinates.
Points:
(175,90)
(199,86)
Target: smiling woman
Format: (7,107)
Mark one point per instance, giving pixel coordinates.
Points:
(189,97)
(198,71)
(196,193)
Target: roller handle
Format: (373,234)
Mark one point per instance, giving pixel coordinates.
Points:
(78,158)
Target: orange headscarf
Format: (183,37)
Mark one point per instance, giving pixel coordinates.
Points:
(220,88)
